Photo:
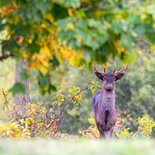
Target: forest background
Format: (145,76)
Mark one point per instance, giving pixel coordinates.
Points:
(47,52)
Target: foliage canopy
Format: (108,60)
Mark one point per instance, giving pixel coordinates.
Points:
(81,32)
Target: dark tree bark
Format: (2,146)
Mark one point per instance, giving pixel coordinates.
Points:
(22,99)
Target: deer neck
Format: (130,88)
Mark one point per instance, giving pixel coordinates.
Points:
(108,98)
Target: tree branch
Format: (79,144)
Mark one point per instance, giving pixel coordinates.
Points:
(5,46)
(3,57)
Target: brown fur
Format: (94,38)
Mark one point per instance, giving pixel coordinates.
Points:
(103,103)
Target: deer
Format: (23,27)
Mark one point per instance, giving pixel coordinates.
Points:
(103,101)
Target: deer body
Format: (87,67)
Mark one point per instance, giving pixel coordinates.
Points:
(105,114)
(103,103)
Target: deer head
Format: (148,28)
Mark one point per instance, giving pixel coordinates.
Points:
(110,78)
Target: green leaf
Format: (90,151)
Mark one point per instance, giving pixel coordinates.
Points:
(126,40)
(5,2)
(18,88)
(119,26)
(62,24)
(75,44)
(42,6)
(72,3)
(59,12)
(82,24)
(34,72)
(24,75)
(33,47)
(102,38)
(130,57)
(55,61)
(66,35)
(140,29)
(43,81)
(92,22)
(86,56)
(81,13)
(52,87)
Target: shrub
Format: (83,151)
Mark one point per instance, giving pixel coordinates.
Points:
(144,129)
(39,120)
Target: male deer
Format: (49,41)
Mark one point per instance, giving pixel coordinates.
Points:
(103,101)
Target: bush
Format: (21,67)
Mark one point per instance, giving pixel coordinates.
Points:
(38,120)
(144,129)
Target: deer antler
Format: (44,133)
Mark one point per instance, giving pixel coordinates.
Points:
(97,70)
(104,69)
(122,70)
(114,68)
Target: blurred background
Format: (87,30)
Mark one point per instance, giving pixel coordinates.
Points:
(47,50)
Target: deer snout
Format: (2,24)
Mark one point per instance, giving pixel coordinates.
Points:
(109,87)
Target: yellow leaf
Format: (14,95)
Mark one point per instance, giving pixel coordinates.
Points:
(44,70)
(91,120)
(153,48)
(45,52)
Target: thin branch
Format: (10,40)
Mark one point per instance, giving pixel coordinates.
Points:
(87,8)
(7,45)
(3,57)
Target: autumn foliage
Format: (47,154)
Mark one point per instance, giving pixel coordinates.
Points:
(45,121)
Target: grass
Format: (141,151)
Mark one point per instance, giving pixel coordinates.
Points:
(77,147)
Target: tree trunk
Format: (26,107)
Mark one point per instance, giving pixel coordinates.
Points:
(22,99)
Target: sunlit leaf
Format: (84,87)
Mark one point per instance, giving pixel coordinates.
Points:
(18,88)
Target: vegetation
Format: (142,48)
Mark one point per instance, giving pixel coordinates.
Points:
(69,112)
(47,33)
(47,50)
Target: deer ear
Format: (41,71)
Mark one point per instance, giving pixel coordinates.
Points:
(99,75)
(119,76)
